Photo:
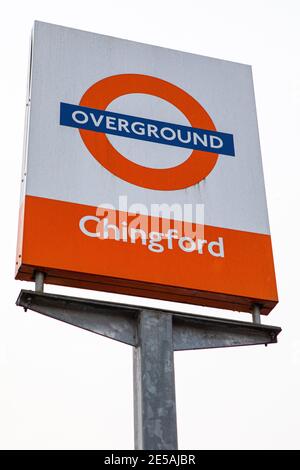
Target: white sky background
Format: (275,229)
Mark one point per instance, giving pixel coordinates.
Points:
(62,387)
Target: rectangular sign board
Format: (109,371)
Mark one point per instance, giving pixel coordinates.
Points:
(143,174)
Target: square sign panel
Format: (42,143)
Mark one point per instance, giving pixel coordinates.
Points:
(143,173)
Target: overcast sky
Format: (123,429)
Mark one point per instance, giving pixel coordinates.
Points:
(62,387)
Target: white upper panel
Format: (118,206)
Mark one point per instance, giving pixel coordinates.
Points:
(66,62)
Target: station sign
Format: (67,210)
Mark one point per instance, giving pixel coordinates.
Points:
(142,173)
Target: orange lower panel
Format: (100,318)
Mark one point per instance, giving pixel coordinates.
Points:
(241,274)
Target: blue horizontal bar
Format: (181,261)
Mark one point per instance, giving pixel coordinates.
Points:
(123,125)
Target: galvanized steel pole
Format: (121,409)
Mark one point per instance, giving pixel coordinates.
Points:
(256,314)
(154,383)
(39,281)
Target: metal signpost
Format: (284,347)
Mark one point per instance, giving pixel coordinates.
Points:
(142,175)
(155,335)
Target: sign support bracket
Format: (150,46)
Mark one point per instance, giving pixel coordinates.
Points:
(154,335)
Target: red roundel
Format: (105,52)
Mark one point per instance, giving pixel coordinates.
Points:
(186,174)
